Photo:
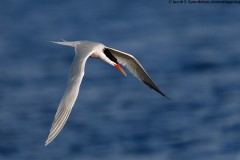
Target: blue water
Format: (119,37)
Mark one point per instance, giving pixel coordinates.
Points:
(192,52)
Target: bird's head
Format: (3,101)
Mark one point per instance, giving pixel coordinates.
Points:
(112,60)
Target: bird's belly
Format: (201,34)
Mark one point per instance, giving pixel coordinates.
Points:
(94,55)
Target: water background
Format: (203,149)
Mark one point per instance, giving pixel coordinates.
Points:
(191,51)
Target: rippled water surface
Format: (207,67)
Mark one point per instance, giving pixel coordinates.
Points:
(190,51)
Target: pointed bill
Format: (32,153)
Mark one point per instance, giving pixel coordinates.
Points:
(120,69)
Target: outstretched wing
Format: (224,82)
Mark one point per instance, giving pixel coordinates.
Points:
(133,65)
(70,95)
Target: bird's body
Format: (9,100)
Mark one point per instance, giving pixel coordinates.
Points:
(84,50)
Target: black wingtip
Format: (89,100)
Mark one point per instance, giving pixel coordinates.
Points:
(168,98)
(164,95)
(156,89)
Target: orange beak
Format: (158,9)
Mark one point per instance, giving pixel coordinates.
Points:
(120,69)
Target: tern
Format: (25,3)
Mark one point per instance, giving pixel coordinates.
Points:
(84,50)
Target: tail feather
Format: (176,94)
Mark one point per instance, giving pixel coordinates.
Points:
(65,43)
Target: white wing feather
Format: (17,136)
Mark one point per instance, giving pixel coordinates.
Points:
(70,95)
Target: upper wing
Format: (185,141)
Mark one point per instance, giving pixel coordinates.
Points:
(132,64)
(70,95)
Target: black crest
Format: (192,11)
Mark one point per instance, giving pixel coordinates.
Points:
(109,55)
